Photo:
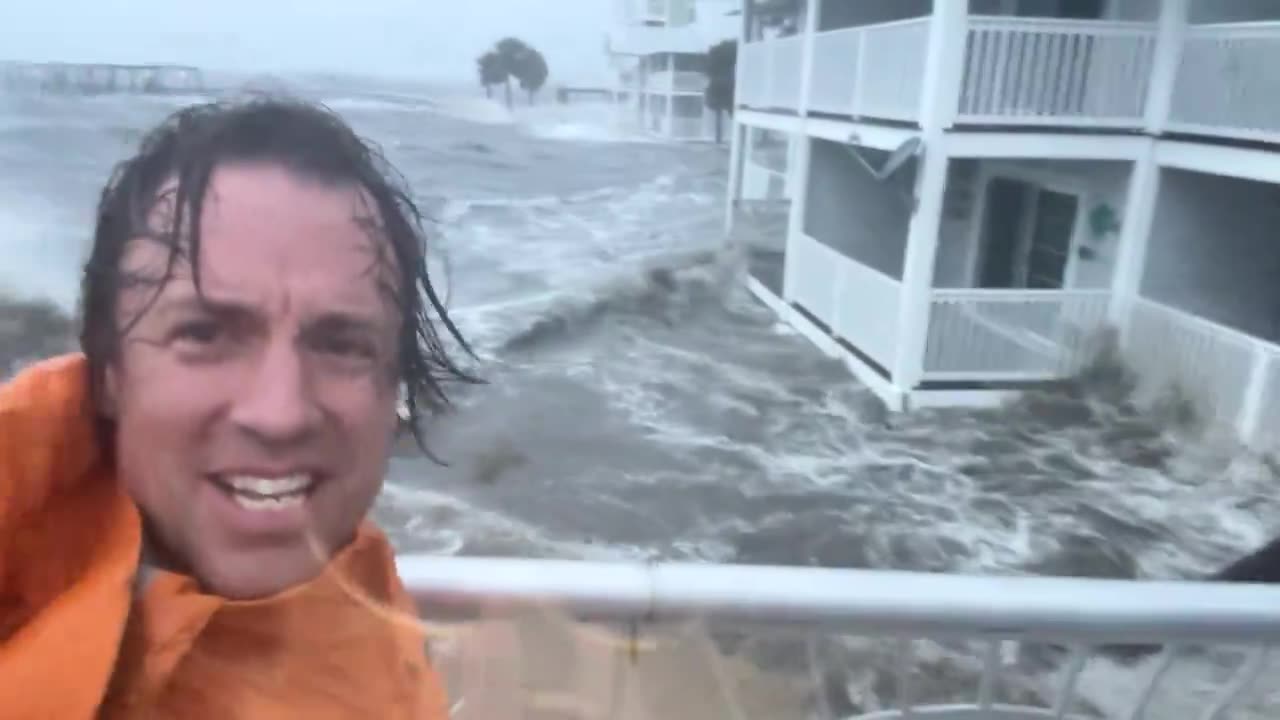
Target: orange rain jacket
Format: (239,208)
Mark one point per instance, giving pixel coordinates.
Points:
(75,642)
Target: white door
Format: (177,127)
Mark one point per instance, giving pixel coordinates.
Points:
(1028,237)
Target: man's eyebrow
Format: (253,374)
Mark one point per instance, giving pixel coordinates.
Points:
(343,319)
(202,303)
(347,321)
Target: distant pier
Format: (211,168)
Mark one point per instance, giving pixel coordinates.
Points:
(566,94)
(99,78)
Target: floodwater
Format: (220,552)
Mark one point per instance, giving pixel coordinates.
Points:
(641,405)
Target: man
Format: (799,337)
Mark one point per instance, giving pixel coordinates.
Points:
(183,506)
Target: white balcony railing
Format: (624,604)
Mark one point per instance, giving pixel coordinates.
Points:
(891,69)
(689,81)
(1018,71)
(771,74)
(1227,83)
(857,302)
(1046,71)
(873,70)
(1034,71)
(687,128)
(981,624)
(682,81)
(1230,377)
(1012,335)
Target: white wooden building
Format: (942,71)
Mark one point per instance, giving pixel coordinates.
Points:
(978,187)
(658,52)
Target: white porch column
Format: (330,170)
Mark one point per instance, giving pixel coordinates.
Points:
(810,30)
(737,152)
(670,95)
(799,204)
(917,267)
(944,70)
(798,161)
(1135,234)
(737,130)
(1172,30)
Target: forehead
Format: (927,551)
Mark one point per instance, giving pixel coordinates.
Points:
(269,236)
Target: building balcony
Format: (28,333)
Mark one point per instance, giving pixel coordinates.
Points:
(1227,83)
(1018,71)
(642,40)
(1032,71)
(975,335)
(680,81)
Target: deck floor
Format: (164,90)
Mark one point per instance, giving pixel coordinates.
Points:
(545,667)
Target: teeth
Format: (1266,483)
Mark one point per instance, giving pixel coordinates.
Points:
(270,486)
(267,504)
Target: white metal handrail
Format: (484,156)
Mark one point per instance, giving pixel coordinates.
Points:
(880,602)
(1014,295)
(1068,25)
(997,612)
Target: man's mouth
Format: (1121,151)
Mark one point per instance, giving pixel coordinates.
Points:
(265,494)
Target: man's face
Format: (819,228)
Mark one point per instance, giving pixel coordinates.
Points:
(254,420)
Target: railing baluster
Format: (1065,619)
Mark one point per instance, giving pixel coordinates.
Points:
(990,667)
(906,665)
(1067,690)
(1243,678)
(1165,660)
(998,104)
(815,676)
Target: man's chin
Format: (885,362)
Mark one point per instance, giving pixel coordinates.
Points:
(258,575)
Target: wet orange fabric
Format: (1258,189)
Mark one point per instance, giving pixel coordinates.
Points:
(75,643)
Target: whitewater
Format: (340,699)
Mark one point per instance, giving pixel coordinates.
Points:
(640,404)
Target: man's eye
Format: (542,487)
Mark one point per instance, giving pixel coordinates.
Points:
(345,347)
(201,332)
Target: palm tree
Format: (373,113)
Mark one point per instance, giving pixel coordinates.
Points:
(512,52)
(492,71)
(721,67)
(532,72)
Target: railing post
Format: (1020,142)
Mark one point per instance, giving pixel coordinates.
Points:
(799,202)
(1135,235)
(1251,411)
(859,71)
(670,92)
(944,67)
(733,192)
(806,59)
(917,266)
(736,130)
(1170,39)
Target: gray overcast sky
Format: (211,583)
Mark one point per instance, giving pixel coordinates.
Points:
(433,39)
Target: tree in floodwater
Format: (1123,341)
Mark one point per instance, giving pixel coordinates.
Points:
(492,71)
(513,58)
(532,73)
(721,69)
(512,52)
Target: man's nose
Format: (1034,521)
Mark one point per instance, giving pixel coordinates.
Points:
(277,403)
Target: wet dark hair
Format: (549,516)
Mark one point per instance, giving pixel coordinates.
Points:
(173,167)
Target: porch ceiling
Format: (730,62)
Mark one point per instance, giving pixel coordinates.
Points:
(1247,163)
(880,137)
(1050,146)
